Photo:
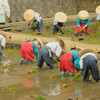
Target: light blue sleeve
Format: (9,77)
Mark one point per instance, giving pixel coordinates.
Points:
(78,21)
(76,63)
(36,52)
(71,59)
(88,21)
(75,54)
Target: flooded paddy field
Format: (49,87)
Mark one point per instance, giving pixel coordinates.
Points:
(25,82)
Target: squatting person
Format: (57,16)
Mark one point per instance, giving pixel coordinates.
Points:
(29,49)
(82,23)
(69,62)
(46,53)
(59,20)
(37,22)
(89,63)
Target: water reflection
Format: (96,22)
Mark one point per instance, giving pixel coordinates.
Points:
(54,90)
(30,80)
(49,87)
(4,62)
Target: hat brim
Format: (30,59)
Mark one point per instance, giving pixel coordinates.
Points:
(36,39)
(87,51)
(60,17)
(98,10)
(5,35)
(58,38)
(29,15)
(79,48)
(83,15)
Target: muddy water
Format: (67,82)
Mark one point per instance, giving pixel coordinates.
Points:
(41,83)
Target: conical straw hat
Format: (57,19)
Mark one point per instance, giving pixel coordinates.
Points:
(98,10)
(60,17)
(83,15)
(78,48)
(5,35)
(58,38)
(37,39)
(28,14)
(87,51)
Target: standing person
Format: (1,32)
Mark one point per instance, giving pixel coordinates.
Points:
(98,12)
(89,63)
(4,9)
(59,20)
(82,23)
(69,61)
(29,49)
(3,39)
(46,53)
(37,22)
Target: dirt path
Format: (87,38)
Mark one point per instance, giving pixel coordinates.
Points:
(20,38)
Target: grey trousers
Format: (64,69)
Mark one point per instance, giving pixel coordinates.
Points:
(1,54)
(90,64)
(45,56)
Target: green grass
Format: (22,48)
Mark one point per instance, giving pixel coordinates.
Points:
(91,38)
(66,85)
(9,52)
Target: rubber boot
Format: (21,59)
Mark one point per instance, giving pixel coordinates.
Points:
(62,73)
(30,62)
(83,34)
(70,74)
(22,60)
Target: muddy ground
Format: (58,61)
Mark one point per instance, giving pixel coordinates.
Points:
(41,83)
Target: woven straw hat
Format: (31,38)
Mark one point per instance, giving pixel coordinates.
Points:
(98,10)
(28,14)
(37,39)
(5,35)
(83,15)
(57,38)
(79,48)
(60,17)
(87,51)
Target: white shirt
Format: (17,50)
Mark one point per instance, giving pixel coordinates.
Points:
(55,48)
(55,22)
(2,40)
(4,7)
(37,16)
(81,59)
(98,17)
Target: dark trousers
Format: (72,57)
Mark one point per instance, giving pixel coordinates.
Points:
(44,56)
(56,29)
(1,54)
(90,65)
(39,26)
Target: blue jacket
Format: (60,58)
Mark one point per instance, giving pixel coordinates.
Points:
(76,58)
(83,21)
(35,50)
